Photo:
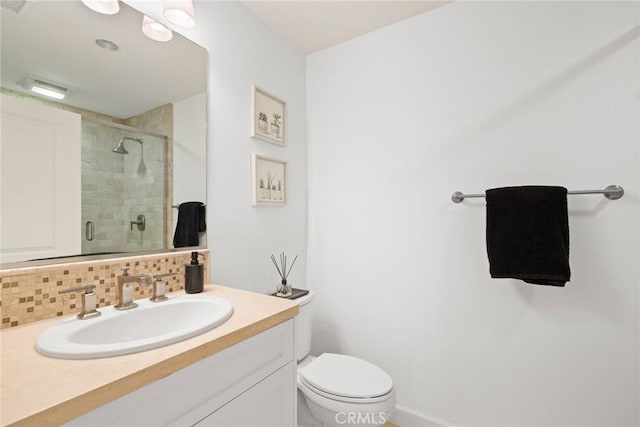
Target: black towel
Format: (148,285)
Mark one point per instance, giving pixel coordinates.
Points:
(528,234)
(191,221)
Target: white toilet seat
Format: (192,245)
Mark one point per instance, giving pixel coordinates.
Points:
(385,403)
(309,388)
(346,378)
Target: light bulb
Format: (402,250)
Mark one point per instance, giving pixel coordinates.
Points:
(179,13)
(107,7)
(155,30)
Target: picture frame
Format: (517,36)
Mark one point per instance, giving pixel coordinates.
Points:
(268,117)
(269,180)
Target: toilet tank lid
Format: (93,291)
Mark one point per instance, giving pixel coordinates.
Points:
(347,376)
(304,299)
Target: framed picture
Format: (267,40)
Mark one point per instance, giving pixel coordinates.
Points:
(268,117)
(269,181)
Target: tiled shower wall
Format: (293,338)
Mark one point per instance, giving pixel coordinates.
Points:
(32,293)
(102,176)
(117,188)
(160,120)
(143,192)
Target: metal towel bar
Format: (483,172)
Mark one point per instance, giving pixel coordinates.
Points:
(178,205)
(612,192)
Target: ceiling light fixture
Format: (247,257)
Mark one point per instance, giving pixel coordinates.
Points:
(179,13)
(106,7)
(155,30)
(107,44)
(41,87)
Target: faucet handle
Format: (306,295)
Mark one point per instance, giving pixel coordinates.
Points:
(159,287)
(125,271)
(88,300)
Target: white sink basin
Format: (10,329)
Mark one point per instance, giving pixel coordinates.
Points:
(150,325)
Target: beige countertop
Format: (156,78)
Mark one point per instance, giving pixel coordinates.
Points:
(38,390)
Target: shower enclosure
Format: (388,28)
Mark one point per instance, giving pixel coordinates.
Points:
(124,194)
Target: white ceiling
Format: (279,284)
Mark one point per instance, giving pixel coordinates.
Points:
(55,41)
(313,25)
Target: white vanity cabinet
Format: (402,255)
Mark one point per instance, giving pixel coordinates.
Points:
(249,384)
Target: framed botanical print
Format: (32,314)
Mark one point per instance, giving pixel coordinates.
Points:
(268,117)
(269,181)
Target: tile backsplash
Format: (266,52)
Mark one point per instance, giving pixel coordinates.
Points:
(32,293)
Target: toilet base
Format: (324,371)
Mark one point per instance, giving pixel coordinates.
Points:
(310,414)
(305,417)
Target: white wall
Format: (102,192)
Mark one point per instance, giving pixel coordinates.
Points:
(241,237)
(471,96)
(190,152)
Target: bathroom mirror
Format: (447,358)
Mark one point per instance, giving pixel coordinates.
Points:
(142,132)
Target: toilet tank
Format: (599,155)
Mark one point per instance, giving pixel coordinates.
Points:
(302,326)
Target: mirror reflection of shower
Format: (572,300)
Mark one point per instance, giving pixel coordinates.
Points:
(142,167)
(114,192)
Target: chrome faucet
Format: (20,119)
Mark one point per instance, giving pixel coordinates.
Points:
(88,300)
(124,288)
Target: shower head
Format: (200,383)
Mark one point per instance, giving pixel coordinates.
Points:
(120,147)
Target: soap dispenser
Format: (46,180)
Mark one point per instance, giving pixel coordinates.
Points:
(194,275)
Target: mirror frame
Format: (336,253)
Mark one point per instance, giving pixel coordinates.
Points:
(89,257)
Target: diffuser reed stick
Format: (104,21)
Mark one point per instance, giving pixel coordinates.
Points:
(284,289)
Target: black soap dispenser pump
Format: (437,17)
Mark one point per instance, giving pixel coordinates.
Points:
(194,275)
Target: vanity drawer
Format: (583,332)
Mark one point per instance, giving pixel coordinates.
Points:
(189,395)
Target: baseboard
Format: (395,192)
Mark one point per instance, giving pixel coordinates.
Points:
(405,417)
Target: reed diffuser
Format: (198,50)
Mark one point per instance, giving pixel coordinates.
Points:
(284,289)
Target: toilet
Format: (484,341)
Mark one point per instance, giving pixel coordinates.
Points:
(336,389)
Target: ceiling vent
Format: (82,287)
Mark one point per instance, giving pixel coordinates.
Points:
(13,6)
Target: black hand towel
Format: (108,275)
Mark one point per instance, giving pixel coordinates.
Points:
(528,234)
(191,221)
